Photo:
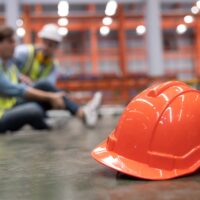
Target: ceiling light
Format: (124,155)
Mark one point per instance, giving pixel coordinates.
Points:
(19,22)
(63,21)
(63,8)
(107,21)
(111,8)
(181,28)
(104,30)
(140,30)
(20,32)
(194,10)
(188,19)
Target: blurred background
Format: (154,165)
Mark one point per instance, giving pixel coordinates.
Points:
(118,47)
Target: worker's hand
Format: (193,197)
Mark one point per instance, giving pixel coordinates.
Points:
(57,101)
(25,79)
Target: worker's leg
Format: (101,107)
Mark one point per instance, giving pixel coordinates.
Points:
(71,106)
(27,113)
(87,113)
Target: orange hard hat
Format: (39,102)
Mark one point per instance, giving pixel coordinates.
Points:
(158,134)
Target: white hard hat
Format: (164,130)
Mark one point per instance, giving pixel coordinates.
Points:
(50,31)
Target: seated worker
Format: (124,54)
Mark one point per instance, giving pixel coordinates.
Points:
(38,63)
(21,104)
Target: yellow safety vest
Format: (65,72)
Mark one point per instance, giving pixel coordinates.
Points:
(8,102)
(33,68)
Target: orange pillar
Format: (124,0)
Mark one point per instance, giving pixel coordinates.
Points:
(122,52)
(197,47)
(122,42)
(27,22)
(94,43)
(94,50)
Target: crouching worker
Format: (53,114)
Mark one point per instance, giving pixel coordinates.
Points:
(21,104)
(38,62)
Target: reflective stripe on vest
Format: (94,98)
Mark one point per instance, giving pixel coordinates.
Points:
(31,53)
(39,71)
(33,67)
(8,102)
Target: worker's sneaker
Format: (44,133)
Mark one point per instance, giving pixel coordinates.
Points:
(91,110)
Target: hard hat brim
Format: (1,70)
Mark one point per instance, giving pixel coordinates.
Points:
(134,168)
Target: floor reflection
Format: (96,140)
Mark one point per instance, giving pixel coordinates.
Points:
(57,165)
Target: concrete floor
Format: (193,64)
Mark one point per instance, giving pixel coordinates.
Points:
(57,165)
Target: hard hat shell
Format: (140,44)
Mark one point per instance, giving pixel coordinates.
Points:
(50,31)
(158,134)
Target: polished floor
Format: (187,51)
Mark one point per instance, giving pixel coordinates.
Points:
(57,165)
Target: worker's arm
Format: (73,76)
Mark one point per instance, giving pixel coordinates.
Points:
(7,88)
(55,99)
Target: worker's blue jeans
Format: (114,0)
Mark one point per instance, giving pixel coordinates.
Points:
(32,113)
